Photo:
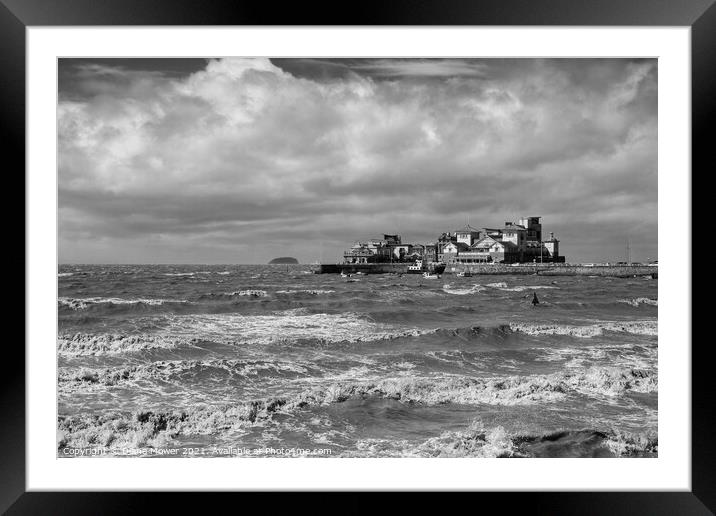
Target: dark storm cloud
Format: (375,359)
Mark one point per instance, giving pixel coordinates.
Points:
(241,159)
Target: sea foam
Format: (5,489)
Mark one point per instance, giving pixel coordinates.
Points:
(646,327)
(105,343)
(288,327)
(640,301)
(86,302)
(155,428)
(449,289)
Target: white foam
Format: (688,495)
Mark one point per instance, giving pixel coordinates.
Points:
(518,288)
(449,289)
(286,326)
(640,301)
(83,303)
(313,292)
(87,344)
(646,327)
(249,293)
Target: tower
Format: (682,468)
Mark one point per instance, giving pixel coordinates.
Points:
(552,247)
(534,228)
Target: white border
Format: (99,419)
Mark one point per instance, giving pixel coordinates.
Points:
(671,470)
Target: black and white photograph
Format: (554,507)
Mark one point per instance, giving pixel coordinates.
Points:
(366,257)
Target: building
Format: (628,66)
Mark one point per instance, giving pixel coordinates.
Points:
(514,233)
(443,240)
(511,243)
(467,235)
(451,250)
(533,226)
(489,250)
(552,247)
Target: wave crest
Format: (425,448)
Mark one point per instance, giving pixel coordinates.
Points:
(86,302)
(647,327)
(449,289)
(311,292)
(638,301)
(107,343)
(497,442)
(71,380)
(156,428)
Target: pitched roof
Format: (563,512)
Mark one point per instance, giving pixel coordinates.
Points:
(467,229)
(461,246)
(514,227)
(489,242)
(484,239)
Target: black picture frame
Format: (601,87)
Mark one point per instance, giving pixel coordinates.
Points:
(17,15)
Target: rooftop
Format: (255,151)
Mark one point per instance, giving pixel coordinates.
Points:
(461,246)
(467,229)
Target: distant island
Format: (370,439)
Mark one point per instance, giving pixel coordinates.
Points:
(283,259)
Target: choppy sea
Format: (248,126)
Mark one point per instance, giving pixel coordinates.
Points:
(226,360)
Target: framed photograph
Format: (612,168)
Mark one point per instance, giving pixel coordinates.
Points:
(391,251)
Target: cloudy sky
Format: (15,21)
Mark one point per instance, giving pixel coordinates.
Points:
(243,160)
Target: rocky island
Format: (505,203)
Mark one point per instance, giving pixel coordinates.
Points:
(283,260)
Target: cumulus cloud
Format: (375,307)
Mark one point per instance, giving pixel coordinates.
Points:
(242,160)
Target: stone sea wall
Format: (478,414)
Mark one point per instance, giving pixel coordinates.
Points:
(621,271)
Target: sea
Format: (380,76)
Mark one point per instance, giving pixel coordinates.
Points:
(275,361)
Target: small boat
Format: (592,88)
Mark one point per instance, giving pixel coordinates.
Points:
(420,267)
(344,275)
(416,268)
(464,274)
(427,275)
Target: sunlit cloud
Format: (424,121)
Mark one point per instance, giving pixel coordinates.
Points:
(246,159)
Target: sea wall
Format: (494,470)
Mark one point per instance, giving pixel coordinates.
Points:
(619,271)
(558,269)
(366,268)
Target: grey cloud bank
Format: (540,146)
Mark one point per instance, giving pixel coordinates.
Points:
(243,160)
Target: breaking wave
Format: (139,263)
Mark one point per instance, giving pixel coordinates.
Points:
(518,288)
(288,327)
(74,379)
(449,289)
(312,292)
(647,327)
(299,326)
(496,442)
(105,343)
(640,301)
(86,302)
(494,391)
(156,428)
(242,293)
(249,293)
